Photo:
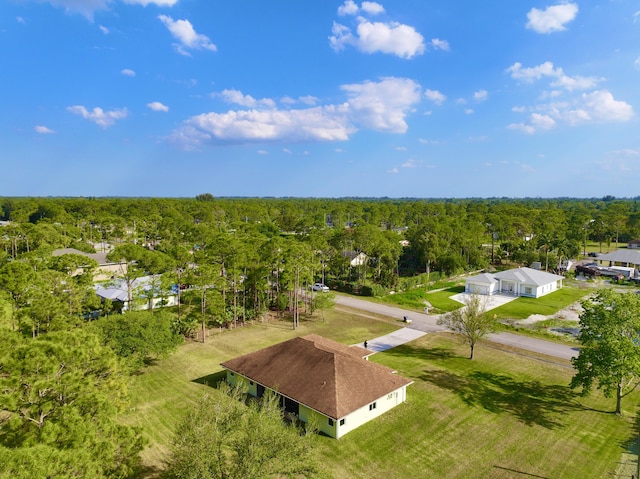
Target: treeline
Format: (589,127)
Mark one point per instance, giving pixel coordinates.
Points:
(65,358)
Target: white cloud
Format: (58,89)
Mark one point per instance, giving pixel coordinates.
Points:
(89,7)
(400,148)
(435,96)
(576,83)
(547,69)
(468,111)
(380,106)
(378,37)
(287,151)
(392,38)
(349,7)
(20,20)
(636,63)
(410,163)
(83,7)
(183,31)
(523,127)
(542,122)
(128,72)
(43,130)
(98,115)
(393,170)
(533,73)
(598,106)
(481,95)
(372,8)
(237,97)
(263,152)
(104,29)
(602,107)
(157,106)
(438,44)
(551,19)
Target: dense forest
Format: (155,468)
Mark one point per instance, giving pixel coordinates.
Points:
(64,355)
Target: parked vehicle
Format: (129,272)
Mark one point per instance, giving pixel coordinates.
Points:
(320,287)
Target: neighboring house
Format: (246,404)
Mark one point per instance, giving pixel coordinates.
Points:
(520,282)
(626,260)
(634,244)
(355,259)
(320,380)
(106,269)
(145,293)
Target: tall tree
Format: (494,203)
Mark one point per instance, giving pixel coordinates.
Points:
(224,439)
(16,279)
(63,390)
(610,334)
(470,321)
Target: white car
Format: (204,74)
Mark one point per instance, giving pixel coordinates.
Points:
(320,287)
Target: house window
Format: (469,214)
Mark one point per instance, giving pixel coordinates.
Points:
(372,406)
(251,383)
(330,422)
(232,374)
(390,395)
(527,290)
(342,421)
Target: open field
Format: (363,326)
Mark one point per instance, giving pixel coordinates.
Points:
(499,416)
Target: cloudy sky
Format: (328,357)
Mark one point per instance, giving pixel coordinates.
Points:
(399,98)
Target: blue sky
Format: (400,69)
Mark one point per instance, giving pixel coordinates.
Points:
(399,98)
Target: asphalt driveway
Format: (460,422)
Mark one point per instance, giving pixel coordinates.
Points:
(428,323)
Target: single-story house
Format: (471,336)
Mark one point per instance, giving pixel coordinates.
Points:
(634,244)
(625,260)
(355,258)
(320,380)
(106,269)
(519,281)
(145,293)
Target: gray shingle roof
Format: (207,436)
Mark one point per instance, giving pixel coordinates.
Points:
(528,276)
(622,256)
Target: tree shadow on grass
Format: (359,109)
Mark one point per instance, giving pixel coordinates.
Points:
(531,402)
(212,380)
(632,443)
(430,354)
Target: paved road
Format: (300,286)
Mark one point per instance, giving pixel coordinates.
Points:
(428,323)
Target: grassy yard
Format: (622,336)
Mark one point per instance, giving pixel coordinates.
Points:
(415,299)
(522,308)
(499,416)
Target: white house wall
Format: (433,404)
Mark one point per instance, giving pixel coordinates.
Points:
(365,414)
(329,426)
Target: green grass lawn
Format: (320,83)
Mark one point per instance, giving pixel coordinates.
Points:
(522,308)
(498,416)
(415,299)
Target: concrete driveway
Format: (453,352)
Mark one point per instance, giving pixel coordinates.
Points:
(490,302)
(391,340)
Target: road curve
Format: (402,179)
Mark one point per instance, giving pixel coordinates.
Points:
(429,324)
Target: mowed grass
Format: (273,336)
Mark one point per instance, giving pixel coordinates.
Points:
(415,299)
(164,392)
(522,308)
(498,416)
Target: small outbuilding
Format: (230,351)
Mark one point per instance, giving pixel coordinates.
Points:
(320,380)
